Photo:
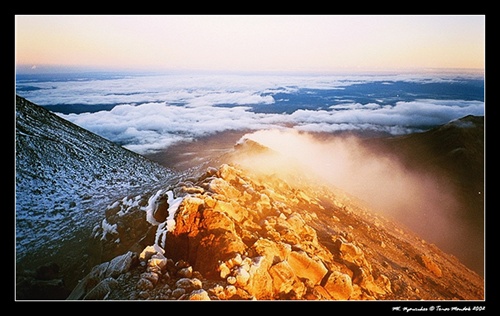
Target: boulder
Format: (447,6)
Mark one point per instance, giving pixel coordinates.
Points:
(305,267)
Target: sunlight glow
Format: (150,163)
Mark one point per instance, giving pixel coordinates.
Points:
(250,42)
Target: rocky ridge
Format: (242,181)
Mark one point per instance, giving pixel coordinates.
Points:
(229,233)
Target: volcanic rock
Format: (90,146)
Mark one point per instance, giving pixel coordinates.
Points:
(250,236)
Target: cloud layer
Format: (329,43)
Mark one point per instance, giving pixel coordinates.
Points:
(151,112)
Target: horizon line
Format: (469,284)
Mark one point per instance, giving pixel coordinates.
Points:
(26,69)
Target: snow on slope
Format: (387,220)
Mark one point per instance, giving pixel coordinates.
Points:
(65,178)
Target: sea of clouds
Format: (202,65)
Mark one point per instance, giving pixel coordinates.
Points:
(150,112)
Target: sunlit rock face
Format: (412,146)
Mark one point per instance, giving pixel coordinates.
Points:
(232,234)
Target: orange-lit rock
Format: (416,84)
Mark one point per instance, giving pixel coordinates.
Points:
(339,286)
(248,236)
(306,267)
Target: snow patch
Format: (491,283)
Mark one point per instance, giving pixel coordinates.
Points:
(172,209)
(150,208)
(107,228)
(161,236)
(169,224)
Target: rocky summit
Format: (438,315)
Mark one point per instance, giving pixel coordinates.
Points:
(231,233)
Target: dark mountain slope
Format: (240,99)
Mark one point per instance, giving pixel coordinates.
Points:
(453,152)
(455,149)
(65,176)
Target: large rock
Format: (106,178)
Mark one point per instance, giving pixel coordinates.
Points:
(106,270)
(339,286)
(305,267)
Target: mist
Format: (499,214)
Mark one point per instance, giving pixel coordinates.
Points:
(421,201)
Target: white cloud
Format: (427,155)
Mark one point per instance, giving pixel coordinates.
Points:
(414,113)
(153,126)
(223,97)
